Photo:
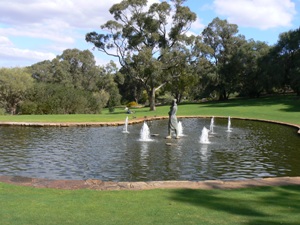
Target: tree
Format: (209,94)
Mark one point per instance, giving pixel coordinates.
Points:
(287,55)
(14,83)
(182,76)
(42,71)
(249,61)
(47,98)
(141,37)
(106,83)
(75,69)
(223,42)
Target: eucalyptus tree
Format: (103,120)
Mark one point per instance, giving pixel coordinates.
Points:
(106,83)
(49,98)
(73,68)
(130,91)
(14,83)
(250,64)
(42,71)
(286,59)
(222,42)
(79,68)
(141,37)
(203,69)
(182,76)
(76,69)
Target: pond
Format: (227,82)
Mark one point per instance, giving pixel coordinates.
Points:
(251,150)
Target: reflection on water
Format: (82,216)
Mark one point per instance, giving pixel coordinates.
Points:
(250,150)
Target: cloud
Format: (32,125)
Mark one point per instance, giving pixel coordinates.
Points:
(24,54)
(261,14)
(4,41)
(197,25)
(53,20)
(52,25)
(9,52)
(48,26)
(75,13)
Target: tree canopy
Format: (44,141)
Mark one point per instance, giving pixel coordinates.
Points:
(141,38)
(14,83)
(159,61)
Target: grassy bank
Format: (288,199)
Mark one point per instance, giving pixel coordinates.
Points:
(264,205)
(279,108)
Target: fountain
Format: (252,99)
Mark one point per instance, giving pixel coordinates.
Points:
(204,136)
(105,153)
(212,124)
(145,133)
(125,129)
(180,129)
(229,125)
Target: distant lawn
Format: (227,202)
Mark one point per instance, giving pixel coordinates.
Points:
(253,206)
(279,108)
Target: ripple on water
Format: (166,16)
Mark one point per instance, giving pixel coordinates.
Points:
(251,150)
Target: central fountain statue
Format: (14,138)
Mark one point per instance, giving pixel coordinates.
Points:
(173,124)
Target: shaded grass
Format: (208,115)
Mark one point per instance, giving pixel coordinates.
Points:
(263,205)
(278,108)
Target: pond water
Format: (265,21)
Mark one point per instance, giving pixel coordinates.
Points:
(251,150)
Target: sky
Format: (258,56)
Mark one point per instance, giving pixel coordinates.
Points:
(32,31)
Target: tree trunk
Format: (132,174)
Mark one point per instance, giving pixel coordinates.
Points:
(13,110)
(223,95)
(151,95)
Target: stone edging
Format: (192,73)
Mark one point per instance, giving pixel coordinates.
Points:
(108,185)
(133,121)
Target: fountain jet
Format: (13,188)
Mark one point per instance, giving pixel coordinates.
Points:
(125,126)
(212,124)
(145,133)
(229,125)
(180,129)
(204,136)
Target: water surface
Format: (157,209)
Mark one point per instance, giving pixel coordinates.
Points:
(251,150)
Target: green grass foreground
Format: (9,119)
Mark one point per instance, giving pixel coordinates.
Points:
(263,205)
(278,108)
(250,206)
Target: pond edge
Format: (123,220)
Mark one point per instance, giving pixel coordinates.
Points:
(132,121)
(110,185)
(93,184)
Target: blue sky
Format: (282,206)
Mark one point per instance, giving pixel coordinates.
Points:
(35,30)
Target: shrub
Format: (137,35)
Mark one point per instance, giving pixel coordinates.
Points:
(57,99)
(28,107)
(132,104)
(2,111)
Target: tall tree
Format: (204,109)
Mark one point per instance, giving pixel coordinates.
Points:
(287,55)
(80,68)
(249,62)
(106,83)
(223,42)
(140,38)
(14,83)
(182,76)
(77,69)
(73,68)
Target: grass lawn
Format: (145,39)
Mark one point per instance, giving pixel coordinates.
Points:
(263,205)
(279,108)
(250,206)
